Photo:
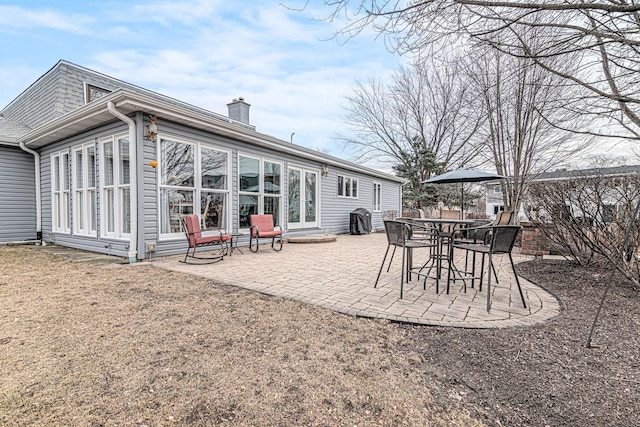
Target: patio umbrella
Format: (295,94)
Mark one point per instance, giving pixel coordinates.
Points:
(462,176)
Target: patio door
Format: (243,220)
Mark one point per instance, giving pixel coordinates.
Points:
(303,198)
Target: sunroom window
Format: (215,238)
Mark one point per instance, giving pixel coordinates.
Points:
(61,192)
(214,191)
(177,184)
(181,194)
(115,186)
(84,185)
(260,189)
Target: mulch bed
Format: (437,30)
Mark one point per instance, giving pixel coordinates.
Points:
(545,375)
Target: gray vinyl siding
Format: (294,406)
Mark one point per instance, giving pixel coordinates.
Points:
(336,210)
(58,92)
(97,243)
(17,195)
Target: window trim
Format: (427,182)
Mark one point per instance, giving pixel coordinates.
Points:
(377,196)
(58,195)
(197,182)
(84,200)
(116,188)
(261,194)
(228,183)
(87,92)
(342,189)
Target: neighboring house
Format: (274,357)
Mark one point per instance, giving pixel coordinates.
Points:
(494,203)
(91,162)
(494,189)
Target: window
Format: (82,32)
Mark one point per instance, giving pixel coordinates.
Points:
(609,213)
(177,184)
(497,189)
(84,185)
(94,92)
(377,191)
(260,189)
(60,199)
(115,187)
(214,193)
(497,209)
(347,187)
(181,193)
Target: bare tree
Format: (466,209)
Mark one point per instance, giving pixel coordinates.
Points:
(523,105)
(421,123)
(587,215)
(604,34)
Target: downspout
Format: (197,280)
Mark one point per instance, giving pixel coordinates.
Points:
(133,171)
(36,156)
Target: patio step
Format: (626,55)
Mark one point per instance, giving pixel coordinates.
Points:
(314,238)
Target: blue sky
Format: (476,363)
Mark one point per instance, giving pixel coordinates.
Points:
(204,52)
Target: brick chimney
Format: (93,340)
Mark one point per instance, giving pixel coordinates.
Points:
(239,110)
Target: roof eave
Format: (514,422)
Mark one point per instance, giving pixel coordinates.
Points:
(128,102)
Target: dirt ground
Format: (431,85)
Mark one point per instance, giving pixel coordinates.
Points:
(88,345)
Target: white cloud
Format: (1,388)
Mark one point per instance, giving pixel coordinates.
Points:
(20,18)
(211,52)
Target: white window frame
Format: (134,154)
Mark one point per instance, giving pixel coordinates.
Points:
(197,188)
(200,190)
(377,197)
(60,196)
(85,215)
(342,189)
(117,188)
(261,194)
(303,223)
(98,92)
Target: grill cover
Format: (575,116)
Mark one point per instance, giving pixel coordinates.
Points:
(360,221)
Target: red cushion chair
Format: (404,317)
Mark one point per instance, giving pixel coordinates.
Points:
(195,239)
(262,227)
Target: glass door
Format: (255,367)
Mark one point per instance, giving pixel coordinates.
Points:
(303,198)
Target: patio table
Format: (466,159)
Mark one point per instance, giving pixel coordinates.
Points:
(234,242)
(446,229)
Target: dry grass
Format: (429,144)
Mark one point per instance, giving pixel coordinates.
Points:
(134,345)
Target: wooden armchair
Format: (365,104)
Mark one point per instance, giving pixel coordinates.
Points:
(195,239)
(262,227)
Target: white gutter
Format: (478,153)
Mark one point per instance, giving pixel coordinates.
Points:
(36,156)
(133,171)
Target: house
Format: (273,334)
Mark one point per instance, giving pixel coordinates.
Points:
(494,189)
(91,162)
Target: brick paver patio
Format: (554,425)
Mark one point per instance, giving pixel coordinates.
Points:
(340,276)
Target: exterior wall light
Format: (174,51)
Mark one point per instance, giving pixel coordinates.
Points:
(151,130)
(325,170)
(153,163)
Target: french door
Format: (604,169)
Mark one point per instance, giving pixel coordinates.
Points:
(303,198)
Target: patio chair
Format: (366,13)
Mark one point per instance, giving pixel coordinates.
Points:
(262,228)
(195,240)
(449,214)
(479,234)
(408,236)
(500,241)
